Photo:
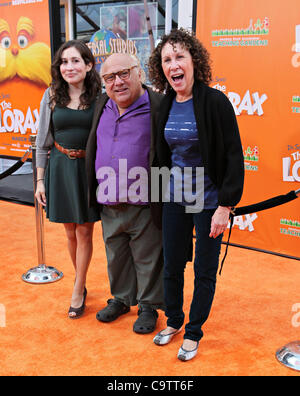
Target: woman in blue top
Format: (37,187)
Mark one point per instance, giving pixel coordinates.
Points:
(198,139)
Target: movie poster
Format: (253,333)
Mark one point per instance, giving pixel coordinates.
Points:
(124,30)
(25,61)
(255,50)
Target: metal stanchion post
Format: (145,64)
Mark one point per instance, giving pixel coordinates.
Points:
(289,355)
(40,274)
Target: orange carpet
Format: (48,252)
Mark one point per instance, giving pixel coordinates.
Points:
(251,316)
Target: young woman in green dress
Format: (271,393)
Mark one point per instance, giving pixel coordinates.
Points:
(65,120)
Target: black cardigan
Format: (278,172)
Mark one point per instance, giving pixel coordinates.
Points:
(219,141)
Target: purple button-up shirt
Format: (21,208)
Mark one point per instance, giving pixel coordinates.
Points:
(122,158)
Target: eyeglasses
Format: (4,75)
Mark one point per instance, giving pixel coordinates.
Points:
(122,74)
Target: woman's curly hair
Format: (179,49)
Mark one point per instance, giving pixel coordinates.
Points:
(59,88)
(200,56)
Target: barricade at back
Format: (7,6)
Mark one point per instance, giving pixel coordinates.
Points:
(258,207)
(17,165)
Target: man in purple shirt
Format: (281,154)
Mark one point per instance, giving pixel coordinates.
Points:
(119,154)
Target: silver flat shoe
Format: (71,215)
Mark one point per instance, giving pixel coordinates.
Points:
(163,339)
(187,355)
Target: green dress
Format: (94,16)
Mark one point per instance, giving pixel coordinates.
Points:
(65,179)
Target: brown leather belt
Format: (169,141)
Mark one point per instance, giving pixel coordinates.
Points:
(70,153)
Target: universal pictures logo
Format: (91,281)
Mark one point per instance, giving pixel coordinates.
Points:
(296,48)
(2,316)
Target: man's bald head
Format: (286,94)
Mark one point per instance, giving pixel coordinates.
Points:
(122,76)
(126,60)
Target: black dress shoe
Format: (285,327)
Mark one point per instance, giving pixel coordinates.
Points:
(146,321)
(112,311)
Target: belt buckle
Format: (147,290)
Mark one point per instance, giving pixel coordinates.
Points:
(70,156)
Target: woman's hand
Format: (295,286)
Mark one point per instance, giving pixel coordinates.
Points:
(40,192)
(219,221)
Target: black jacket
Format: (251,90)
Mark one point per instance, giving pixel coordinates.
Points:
(91,148)
(219,141)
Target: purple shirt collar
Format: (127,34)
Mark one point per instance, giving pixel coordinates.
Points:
(143,99)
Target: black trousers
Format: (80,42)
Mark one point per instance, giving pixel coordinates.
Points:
(177,233)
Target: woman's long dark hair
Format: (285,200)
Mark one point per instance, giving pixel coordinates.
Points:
(60,88)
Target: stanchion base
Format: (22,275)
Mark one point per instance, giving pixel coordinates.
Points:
(289,355)
(42,275)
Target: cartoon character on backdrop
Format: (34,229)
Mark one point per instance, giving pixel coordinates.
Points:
(23,57)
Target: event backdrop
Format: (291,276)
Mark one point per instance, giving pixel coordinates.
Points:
(25,59)
(124,29)
(253,46)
